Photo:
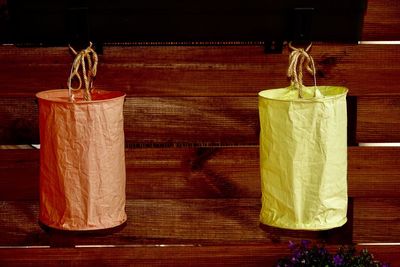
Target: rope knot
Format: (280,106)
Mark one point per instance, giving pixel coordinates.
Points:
(299,58)
(86,56)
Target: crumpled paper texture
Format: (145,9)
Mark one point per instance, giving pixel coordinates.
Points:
(303,158)
(82,161)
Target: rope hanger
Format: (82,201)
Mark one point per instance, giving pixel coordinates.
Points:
(299,58)
(86,56)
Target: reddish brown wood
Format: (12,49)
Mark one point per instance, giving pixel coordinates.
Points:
(374,172)
(193,172)
(378,119)
(222,255)
(201,120)
(153,120)
(19,172)
(204,172)
(19,121)
(201,71)
(381,20)
(163,221)
(376,220)
(245,70)
(198,120)
(201,95)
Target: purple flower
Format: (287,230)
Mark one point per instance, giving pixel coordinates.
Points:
(305,243)
(338,260)
(292,245)
(302,254)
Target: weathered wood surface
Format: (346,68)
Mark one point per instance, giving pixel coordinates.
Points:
(200,70)
(378,119)
(201,120)
(381,22)
(163,221)
(153,120)
(239,255)
(204,201)
(376,220)
(200,221)
(191,120)
(220,255)
(244,71)
(204,172)
(374,172)
(19,121)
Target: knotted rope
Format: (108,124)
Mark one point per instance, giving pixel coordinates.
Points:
(299,59)
(88,73)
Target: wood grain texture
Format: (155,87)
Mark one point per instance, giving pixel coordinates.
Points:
(162,221)
(200,120)
(210,120)
(153,120)
(19,121)
(374,172)
(376,220)
(381,21)
(244,71)
(223,255)
(378,119)
(213,255)
(202,201)
(204,172)
(200,70)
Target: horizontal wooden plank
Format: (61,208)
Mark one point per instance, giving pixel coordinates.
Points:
(201,120)
(374,172)
(193,172)
(153,120)
(184,221)
(200,70)
(198,222)
(215,120)
(381,21)
(376,220)
(221,255)
(378,119)
(19,121)
(246,70)
(153,173)
(204,172)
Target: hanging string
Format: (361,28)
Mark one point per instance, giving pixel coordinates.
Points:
(299,58)
(86,56)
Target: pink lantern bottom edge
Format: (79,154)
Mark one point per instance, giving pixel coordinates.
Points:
(112,228)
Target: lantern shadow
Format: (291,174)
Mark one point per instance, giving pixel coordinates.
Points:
(339,235)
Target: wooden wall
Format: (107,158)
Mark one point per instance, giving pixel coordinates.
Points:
(191,125)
